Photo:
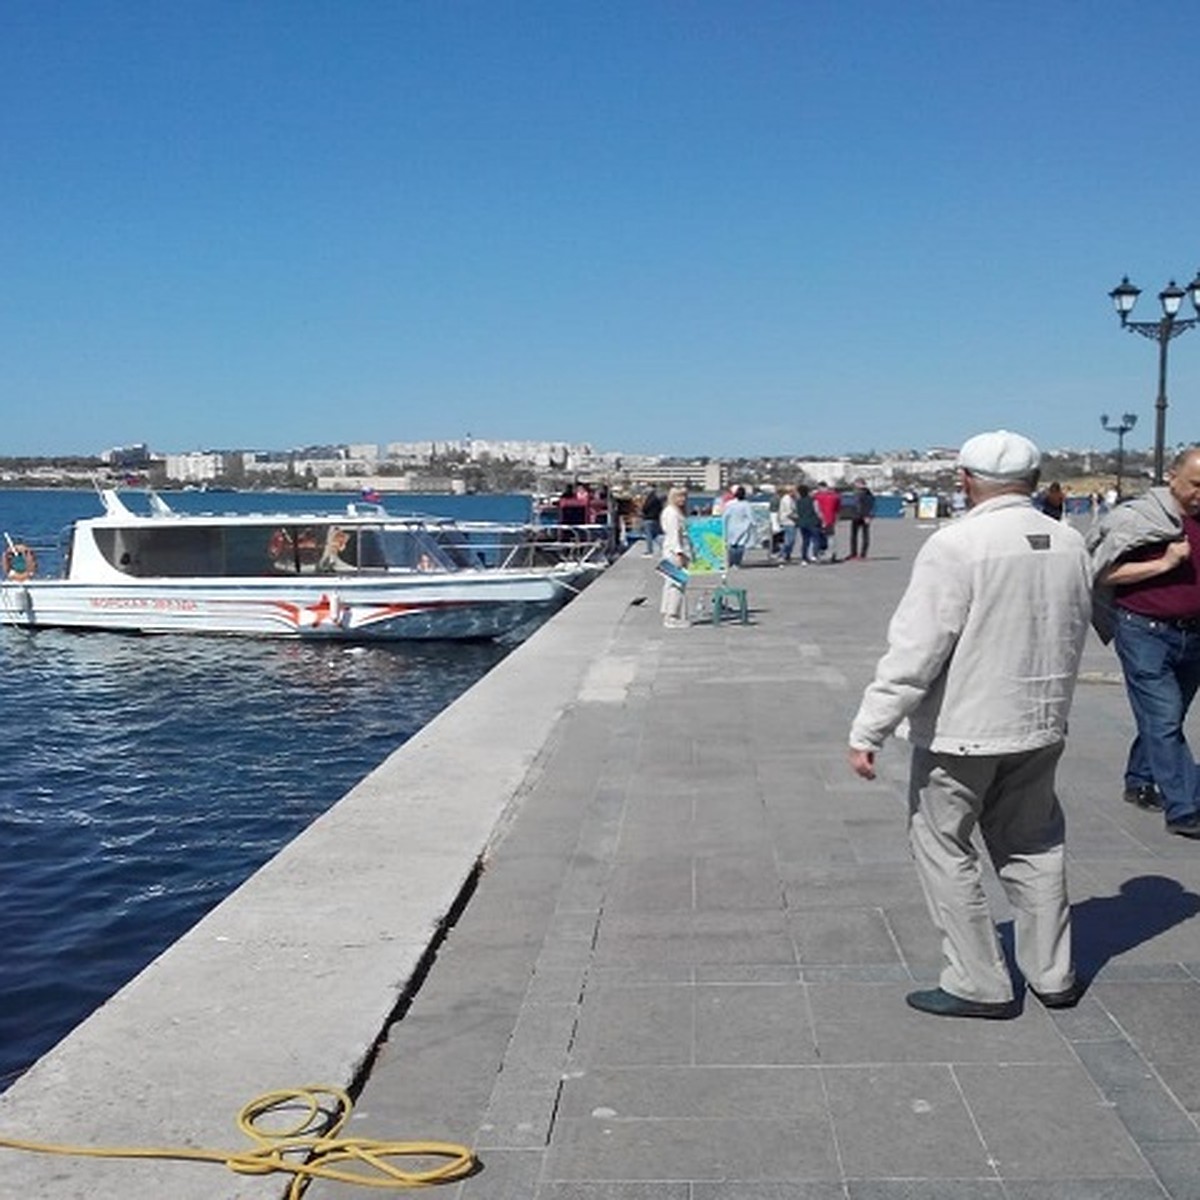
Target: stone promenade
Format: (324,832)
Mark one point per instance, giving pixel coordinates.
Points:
(681,974)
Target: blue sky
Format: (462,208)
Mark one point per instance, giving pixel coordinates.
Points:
(659,226)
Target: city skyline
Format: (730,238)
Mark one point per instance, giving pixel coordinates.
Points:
(715,229)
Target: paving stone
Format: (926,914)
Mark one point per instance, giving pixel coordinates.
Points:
(903,1121)
(614,1191)
(1177,1165)
(744,881)
(870,1023)
(876,885)
(504,1175)
(635,1025)
(598,1149)
(753,1023)
(842,936)
(695,1093)
(519,1114)
(927,1189)
(1114,1064)
(1019,1111)
(1151,1114)
(695,938)
(663,882)
(766,1189)
(1061,1188)
(1161,1019)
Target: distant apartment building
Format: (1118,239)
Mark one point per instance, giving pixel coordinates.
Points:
(392,483)
(411,454)
(196,466)
(930,466)
(126,458)
(709,475)
(545,455)
(552,456)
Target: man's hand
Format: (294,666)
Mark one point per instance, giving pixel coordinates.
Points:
(1139,569)
(1178,552)
(862,762)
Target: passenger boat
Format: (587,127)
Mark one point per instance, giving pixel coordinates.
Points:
(359,574)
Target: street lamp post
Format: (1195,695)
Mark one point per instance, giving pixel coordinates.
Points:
(1120,428)
(1169,325)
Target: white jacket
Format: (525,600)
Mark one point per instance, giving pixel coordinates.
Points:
(984,647)
(675,533)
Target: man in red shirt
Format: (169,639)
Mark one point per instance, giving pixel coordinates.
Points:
(827,501)
(1146,553)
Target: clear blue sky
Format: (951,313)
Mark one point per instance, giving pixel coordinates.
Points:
(705,227)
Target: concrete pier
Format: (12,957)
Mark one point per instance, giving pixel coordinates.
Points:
(671,940)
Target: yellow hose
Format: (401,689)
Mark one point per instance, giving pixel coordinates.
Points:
(307,1149)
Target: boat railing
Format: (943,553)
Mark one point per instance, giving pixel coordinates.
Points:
(524,547)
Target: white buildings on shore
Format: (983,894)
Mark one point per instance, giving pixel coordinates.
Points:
(406,466)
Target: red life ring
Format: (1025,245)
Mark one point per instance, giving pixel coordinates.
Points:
(20,562)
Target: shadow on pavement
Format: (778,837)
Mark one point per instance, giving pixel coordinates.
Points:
(1104,927)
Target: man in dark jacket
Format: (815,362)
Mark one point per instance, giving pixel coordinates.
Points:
(652,507)
(860,519)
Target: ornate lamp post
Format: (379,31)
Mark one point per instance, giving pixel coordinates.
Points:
(1120,428)
(1170,324)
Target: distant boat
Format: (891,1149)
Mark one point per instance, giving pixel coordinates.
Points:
(361,574)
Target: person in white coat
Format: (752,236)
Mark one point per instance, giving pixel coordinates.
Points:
(677,548)
(983,654)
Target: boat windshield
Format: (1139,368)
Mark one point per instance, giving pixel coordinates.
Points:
(182,550)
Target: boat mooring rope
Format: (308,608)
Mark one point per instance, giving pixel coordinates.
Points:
(308,1148)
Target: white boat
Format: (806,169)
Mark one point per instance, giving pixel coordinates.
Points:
(360,574)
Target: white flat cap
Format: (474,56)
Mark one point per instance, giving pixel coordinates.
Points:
(1000,455)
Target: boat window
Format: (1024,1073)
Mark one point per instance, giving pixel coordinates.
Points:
(172,552)
(294,549)
(371,553)
(248,550)
(179,551)
(457,548)
(340,550)
(414,549)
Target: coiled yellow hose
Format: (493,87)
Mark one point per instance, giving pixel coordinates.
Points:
(309,1148)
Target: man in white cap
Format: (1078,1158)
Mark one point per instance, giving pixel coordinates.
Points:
(983,653)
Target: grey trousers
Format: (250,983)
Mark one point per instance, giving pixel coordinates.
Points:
(1011,798)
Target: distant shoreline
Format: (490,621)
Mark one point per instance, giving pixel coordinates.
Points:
(44,486)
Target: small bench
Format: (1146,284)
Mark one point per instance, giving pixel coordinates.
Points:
(733,598)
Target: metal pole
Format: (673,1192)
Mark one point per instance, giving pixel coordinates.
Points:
(1160,404)
(1120,458)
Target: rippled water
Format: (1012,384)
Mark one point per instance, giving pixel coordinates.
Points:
(145,777)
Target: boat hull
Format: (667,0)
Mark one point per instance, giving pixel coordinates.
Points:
(476,605)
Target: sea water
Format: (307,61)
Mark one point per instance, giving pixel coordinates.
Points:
(144,778)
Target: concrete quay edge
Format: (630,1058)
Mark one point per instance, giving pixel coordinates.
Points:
(292,978)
